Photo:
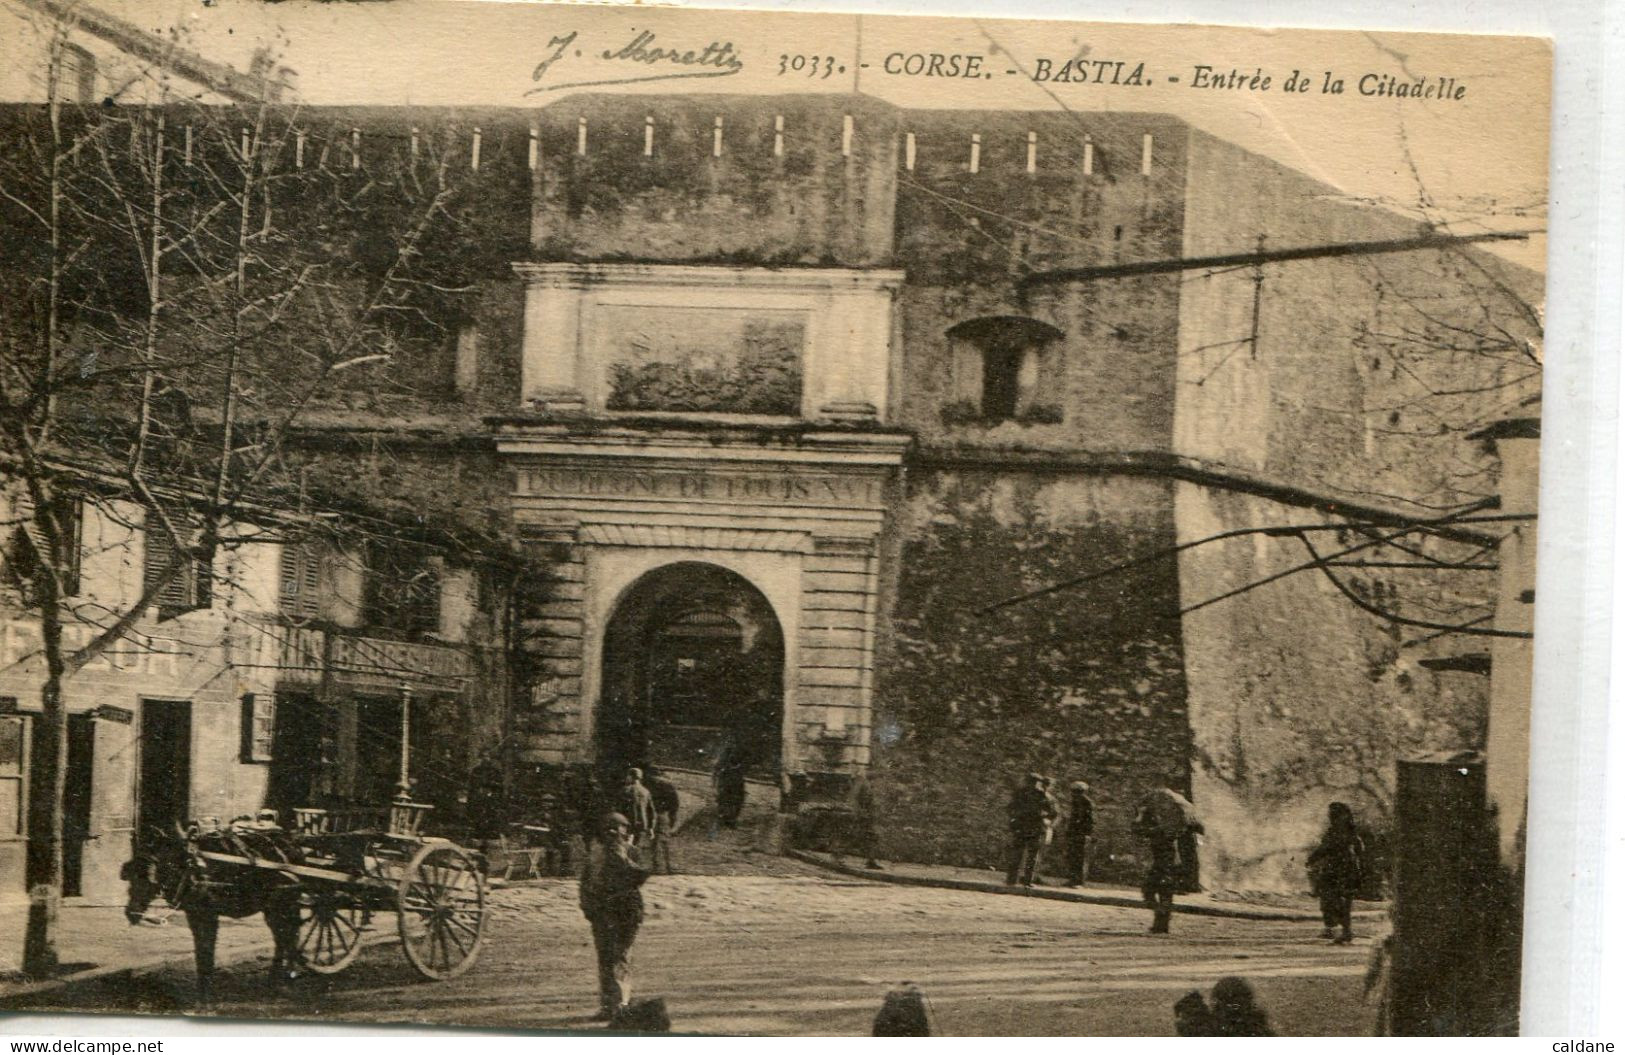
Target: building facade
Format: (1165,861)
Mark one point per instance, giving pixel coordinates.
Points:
(778,395)
(273,676)
(813,378)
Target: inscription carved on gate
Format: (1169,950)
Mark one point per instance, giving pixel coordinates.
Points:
(801,489)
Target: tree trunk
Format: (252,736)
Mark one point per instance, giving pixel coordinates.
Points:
(49,753)
(47,788)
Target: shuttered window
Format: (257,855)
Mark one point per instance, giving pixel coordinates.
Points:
(70,523)
(75,75)
(28,554)
(189,588)
(259,726)
(302,579)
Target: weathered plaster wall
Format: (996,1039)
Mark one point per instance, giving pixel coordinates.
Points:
(207,658)
(119,75)
(1297,697)
(1088,684)
(1346,380)
(1363,374)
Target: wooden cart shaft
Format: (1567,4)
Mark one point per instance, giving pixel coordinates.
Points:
(325,875)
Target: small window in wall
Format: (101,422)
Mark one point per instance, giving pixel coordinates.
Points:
(13,774)
(402,589)
(76,75)
(188,588)
(1006,367)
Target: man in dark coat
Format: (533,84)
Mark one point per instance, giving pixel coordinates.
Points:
(1031,812)
(667,805)
(612,901)
(637,806)
(487,802)
(1080,831)
(863,819)
(729,780)
(1337,871)
(1161,878)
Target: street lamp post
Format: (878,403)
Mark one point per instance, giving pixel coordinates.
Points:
(403,787)
(405,816)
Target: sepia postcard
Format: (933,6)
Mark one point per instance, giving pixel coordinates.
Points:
(556,517)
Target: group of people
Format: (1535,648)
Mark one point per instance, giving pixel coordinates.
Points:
(650,803)
(1164,820)
(1167,824)
(645,812)
(1033,815)
(1234,1011)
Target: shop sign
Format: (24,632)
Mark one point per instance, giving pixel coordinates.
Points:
(375,661)
(376,658)
(21,642)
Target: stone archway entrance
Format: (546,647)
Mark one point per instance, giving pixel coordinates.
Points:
(693,671)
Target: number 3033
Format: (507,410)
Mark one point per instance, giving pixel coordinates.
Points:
(814,66)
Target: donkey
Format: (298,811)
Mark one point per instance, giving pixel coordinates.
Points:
(170,864)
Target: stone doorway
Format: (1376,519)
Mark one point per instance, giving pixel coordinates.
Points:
(693,673)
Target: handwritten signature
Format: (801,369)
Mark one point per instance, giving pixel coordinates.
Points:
(717,59)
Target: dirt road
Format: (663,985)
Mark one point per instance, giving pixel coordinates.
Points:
(812,954)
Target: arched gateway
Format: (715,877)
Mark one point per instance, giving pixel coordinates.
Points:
(713,558)
(693,670)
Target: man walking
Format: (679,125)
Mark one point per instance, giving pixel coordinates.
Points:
(663,796)
(612,901)
(1080,830)
(1031,812)
(637,806)
(1166,820)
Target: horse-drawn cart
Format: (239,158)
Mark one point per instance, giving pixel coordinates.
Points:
(321,879)
(344,869)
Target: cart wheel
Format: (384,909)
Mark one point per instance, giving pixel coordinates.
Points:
(329,930)
(442,905)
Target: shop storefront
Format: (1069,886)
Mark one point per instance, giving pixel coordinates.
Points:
(142,721)
(331,726)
